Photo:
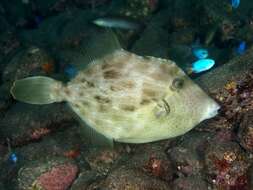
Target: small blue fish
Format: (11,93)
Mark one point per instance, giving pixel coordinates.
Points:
(13,157)
(200,53)
(235,3)
(71,71)
(241,48)
(202,65)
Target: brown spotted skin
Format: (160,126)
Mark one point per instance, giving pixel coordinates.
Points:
(129,98)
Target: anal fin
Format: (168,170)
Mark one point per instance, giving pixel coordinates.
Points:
(90,135)
(94,138)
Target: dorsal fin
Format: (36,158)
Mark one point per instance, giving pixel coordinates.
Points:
(98,46)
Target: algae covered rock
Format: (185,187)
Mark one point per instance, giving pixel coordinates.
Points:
(187,155)
(5,98)
(127,179)
(48,174)
(246,131)
(226,165)
(27,62)
(190,183)
(152,160)
(24,122)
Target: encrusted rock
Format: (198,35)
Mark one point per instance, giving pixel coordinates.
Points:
(245,133)
(190,183)
(30,61)
(226,165)
(128,179)
(54,174)
(186,156)
(23,122)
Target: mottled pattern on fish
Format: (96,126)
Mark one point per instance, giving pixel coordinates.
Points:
(130,98)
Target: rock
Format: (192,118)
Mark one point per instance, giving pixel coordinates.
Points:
(52,174)
(15,13)
(154,39)
(2,186)
(102,159)
(186,155)
(25,122)
(8,41)
(28,62)
(184,36)
(181,54)
(226,165)
(250,173)
(5,98)
(65,142)
(56,31)
(190,183)
(139,9)
(128,179)
(151,159)
(245,133)
(233,70)
(84,180)
(64,145)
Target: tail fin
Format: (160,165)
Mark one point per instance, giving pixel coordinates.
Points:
(36,90)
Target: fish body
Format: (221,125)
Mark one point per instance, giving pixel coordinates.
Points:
(127,97)
(235,3)
(118,22)
(200,53)
(202,65)
(241,48)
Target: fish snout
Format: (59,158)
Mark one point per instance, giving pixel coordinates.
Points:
(211,110)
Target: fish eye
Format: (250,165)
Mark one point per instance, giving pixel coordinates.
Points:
(177,84)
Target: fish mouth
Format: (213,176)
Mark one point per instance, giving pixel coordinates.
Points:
(212,110)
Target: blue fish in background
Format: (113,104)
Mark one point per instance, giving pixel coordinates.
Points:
(241,48)
(202,65)
(13,158)
(70,71)
(235,3)
(200,53)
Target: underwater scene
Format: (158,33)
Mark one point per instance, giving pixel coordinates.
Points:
(126,95)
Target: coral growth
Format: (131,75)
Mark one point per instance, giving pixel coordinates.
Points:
(227,166)
(159,167)
(39,133)
(236,99)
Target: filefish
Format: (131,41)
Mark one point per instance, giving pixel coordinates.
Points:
(118,22)
(200,53)
(126,97)
(202,65)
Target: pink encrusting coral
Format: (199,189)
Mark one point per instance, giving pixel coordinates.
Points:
(59,178)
